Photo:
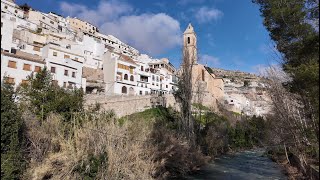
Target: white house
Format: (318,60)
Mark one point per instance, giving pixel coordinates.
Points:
(119,74)
(17,66)
(9,7)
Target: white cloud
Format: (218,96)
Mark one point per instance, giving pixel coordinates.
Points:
(205,14)
(210,60)
(149,33)
(153,33)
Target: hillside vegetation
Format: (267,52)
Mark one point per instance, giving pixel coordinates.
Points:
(55,139)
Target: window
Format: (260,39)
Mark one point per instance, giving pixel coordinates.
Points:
(203,77)
(188,40)
(53,69)
(66,72)
(64,84)
(140,92)
(141,68)
(9,80)
(43,18)
(15,11)
(12,64)
(6,7)
(37,69)
(55,82)
(24,82)
(35,48)
(146,93)
(55,53)
(126,77)
(73,74)
(27,67)
(124,90)
(166,86)
(66,56)
(131,78)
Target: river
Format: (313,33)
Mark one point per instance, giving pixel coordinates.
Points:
(247,165)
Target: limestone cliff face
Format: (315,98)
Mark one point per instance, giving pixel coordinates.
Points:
(245,92)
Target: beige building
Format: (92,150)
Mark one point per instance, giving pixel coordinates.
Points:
(207,87)
(80,25)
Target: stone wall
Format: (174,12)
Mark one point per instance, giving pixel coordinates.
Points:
(124,105)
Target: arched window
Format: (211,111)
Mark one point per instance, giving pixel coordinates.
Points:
(188,40)
(126,77)
(131,91)
(131,78)
(124,90)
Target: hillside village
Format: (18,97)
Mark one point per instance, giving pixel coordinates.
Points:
(245,92)
(79,56)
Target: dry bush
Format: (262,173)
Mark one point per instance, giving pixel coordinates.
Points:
(174,155)
(56,155)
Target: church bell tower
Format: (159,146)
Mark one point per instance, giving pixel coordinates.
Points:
(190,44)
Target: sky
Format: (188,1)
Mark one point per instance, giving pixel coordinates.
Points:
(230,33)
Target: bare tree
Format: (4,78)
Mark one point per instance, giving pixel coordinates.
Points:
(184,94)
(291,124)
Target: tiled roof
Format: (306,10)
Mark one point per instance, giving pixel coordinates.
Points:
(126,58)
(25,56)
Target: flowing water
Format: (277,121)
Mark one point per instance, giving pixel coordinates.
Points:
(240,166)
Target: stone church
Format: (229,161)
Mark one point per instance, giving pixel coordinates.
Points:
(207,87)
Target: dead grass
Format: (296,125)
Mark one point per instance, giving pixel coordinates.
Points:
(100,148)
(55,155)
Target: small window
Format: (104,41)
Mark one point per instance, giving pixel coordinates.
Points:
(37,69)
(66,72)
(73,74)
(55,82)
(43,18)
(53,69)
(25,82)
(124,90)
(203,76)
(66,56)
(131,78)
(6,7)
(9,80)
(55,53)
(64,84)
(166,86)
(15,11)
(35,48)
(27,67)
(188,40)
(140,92)
(141,68)
(12,64)
(126,77)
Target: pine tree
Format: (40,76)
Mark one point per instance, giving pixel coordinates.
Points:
(11,135)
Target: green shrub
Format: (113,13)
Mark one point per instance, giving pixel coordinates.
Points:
(45,97)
